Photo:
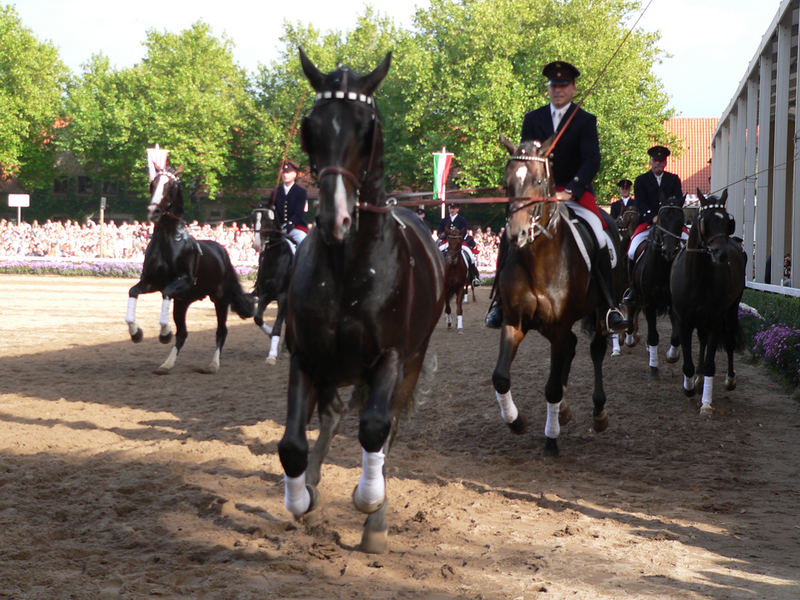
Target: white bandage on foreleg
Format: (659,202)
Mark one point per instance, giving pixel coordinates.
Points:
(460,321)
(130,316)
(653,356)
(552,427)
(163,320)
(273,345)
(295,494)
(615,342)
(371,487)
(708,389)
(508,410)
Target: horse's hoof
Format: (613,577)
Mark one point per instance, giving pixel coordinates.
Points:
(165,339)
(653,373)
(689,393)
(161,371)
(706,410)
(564,413)
(673,355)
(210,369)
(365,508)
(518,425)
(550,447)
(138,336)
(374,542)
(730,382)
(314,494)
(616,352)
(271,360)
(461,330)
(601,422)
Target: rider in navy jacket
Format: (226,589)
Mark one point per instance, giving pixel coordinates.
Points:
(290,204)
(647,185)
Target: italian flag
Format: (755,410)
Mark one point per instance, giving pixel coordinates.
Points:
(441,168)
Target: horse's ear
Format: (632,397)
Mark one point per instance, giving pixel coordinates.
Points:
(731,225)
(313,74)
(700,195)
(508,144)
(373,80)
(724,197)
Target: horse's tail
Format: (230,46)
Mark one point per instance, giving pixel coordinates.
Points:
(241,303)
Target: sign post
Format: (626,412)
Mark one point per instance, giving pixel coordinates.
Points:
(20,201)
(102,223)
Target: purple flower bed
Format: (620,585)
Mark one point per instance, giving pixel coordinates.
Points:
(92,268)
(779,346)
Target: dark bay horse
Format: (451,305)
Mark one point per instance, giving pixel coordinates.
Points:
(650,277)
(546,285)
(184,270)
(275,265)
(707,282)
(364,299)
(626,224)
(455,277)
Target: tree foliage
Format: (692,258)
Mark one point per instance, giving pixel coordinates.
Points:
(32,82)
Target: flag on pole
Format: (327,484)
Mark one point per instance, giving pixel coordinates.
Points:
(156,159)
(441,168)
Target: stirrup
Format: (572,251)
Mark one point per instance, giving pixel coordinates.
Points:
(622,327)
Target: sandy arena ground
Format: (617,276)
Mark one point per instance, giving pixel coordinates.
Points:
(118,483)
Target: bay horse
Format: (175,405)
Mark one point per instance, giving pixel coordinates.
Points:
(455,277)
(364,299)
(626,225)
(707,282)
(546,284)
(650,277)
(185,270)
(275,266)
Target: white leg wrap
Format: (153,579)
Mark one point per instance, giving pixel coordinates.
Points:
(296,498)
(371,487)
(615,342)
(688,383)
(163,320)
(130,315)
(460,322)
(653,356)
(274,342)
(508,410)
(708,389)
(266,329)
(552,427)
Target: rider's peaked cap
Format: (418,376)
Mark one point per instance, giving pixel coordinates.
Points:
(453,205)
(290,166)
(625,184)
(658,152)
(560,72)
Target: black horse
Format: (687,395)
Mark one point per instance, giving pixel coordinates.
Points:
(707,282)
(456,280)
(546,284)
(275,265)
(650,277)
(184,270)
(365,297)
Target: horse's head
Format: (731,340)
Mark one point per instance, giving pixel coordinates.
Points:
(670,225)
(264,221)
(714,226)
(166,197)
(528,182)
(455,237)
(627,221)
(343,139)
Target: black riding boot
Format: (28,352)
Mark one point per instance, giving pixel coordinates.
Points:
(474,275)
(615,320)
(494,316)
(629,295)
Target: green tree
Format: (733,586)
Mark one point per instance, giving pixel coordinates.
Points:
(32,83)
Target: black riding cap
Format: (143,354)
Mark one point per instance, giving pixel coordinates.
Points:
(290,166)
(659,152)
(625,184)
(560,73)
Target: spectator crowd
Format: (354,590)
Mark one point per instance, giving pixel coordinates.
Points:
(128,241)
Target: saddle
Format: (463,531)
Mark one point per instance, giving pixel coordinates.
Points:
(586,227)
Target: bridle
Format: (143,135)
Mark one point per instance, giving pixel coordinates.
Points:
(158,205)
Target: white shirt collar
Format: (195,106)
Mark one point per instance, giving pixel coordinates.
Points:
(286,188)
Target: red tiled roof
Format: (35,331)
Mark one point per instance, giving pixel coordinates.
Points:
(693,166)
